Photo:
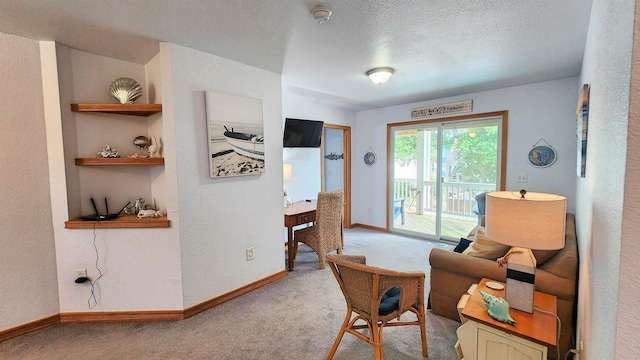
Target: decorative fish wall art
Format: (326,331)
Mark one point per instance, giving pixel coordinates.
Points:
(334,156)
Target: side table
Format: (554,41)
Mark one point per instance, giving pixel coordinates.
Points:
(483,338)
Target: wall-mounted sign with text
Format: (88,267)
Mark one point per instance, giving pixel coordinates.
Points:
(450,108)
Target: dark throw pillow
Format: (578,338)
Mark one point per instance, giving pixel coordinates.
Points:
(462,245)
(390,301)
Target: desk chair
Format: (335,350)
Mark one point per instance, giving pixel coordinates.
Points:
(326,233)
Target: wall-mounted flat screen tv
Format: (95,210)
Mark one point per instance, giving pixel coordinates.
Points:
(302,133)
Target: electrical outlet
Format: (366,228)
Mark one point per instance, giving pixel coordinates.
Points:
(522,178)
(81,273)
(250,254)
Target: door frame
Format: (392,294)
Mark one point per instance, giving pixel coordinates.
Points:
(346,150)
(502,180)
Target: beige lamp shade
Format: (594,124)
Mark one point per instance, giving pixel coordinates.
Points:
(536,221)
(287,172)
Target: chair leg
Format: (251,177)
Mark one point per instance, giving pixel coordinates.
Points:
(376,341)
(336,343)
(423,331)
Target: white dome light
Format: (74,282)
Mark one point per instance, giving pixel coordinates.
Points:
(380,75)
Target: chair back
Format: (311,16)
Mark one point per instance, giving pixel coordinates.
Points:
(329,217)
(364,286)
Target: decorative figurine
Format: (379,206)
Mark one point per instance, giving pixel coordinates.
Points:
(135,207)
(149,213)
(125,90)
(498,308)
(141,142)
(155,148)
(109,152)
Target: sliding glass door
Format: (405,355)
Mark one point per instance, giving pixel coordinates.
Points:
(438,167)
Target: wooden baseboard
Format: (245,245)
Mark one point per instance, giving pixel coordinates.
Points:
(375,228)
(123,316)
(29,327)
(196,309)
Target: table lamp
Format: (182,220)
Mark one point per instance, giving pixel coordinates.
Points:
(524,221)
(287,172)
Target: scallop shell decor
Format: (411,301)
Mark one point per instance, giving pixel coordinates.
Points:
(498,308)
(125,90)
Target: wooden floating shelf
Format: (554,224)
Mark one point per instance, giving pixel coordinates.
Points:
(119,161)
(122,109)
(121,222)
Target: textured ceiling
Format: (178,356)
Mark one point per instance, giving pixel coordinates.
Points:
(438,48)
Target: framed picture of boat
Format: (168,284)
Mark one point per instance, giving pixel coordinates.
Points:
(235,134)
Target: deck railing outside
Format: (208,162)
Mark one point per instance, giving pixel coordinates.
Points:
(459,197)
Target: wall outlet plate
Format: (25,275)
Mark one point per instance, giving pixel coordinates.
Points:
(81,273)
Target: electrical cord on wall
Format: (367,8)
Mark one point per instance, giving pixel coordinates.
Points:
(93,283)
(559,328)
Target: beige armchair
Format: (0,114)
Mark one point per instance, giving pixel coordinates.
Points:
(326,233)
(377,297)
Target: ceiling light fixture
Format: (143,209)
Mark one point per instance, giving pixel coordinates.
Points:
(380,75)
(321,14)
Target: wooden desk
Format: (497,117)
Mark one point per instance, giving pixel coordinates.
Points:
(298,213)
(482,337)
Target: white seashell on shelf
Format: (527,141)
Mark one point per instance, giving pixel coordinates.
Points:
(125,90)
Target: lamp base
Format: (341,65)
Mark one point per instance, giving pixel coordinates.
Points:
(520,279)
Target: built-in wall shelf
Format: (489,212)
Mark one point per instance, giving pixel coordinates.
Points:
(119,161)
(122,221)
(122,109)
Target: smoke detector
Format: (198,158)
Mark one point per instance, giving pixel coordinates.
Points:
(321,14)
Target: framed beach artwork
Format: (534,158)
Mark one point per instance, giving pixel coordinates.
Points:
(582,125)
(235,134)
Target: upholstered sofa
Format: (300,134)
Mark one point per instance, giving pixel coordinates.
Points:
(452,273)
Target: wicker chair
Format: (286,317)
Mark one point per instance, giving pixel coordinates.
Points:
(366,290)
(326,234)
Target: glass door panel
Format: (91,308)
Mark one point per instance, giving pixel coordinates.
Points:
(437,170)
(470,164)
(415,169)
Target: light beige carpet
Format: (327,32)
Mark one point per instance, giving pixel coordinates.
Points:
(297,317)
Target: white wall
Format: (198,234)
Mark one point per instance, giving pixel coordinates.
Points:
(608,295)
(542,110)
(306,179)
(28,273)
(220,218)
(141,267)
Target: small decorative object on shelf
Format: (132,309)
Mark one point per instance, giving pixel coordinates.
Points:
(108,152)
(140,142)
(149,213)
(135,207)
(155,148)
(125,90)
(498,308)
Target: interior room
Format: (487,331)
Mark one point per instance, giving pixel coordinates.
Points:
(210,237)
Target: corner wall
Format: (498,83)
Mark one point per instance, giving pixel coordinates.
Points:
(608,291)
(306,179)
(220,218)
(28,273)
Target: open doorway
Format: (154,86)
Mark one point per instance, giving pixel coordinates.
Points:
(335,164)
